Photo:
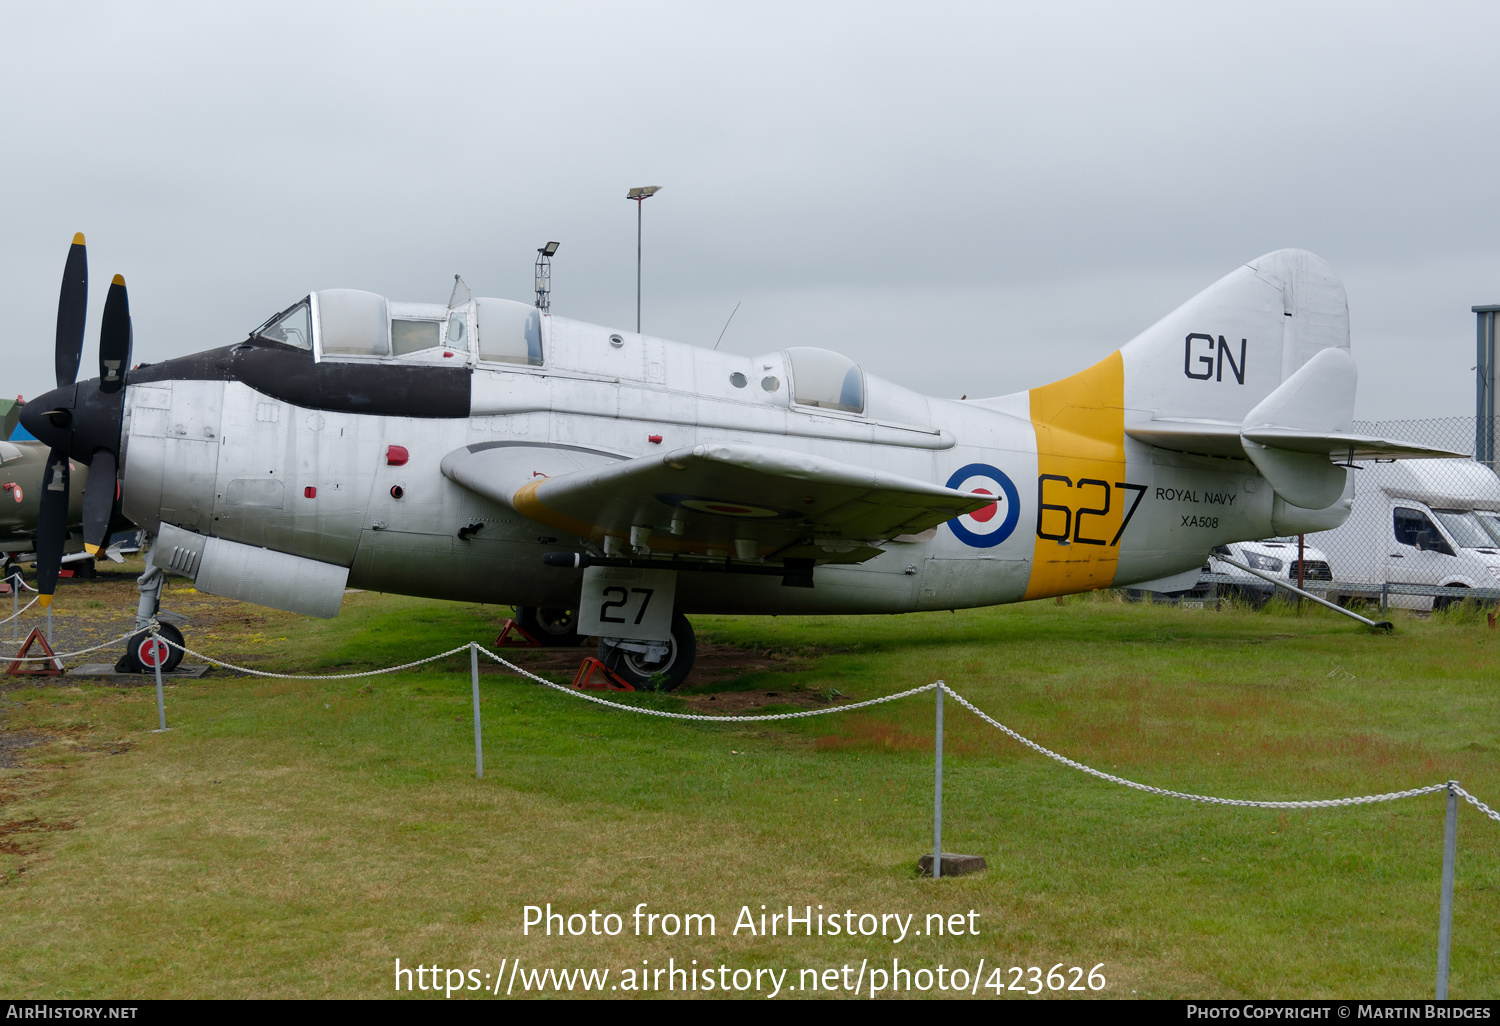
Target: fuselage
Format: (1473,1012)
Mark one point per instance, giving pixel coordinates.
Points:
(336,458)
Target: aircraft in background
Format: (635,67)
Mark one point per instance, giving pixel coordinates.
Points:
(610,483)
(23,460)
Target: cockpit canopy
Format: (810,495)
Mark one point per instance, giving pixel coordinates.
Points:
(354,323)
(824,378)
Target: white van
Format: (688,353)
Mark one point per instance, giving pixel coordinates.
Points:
(1413,523)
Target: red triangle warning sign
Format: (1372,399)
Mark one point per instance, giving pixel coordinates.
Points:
(49,667)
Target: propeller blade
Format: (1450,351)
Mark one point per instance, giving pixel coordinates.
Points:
(51,524)
(114,338)
(72,306)
(99,501)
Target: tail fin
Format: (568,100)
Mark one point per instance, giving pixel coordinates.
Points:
(1216,357)
(1257,365)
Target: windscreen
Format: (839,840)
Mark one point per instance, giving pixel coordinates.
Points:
(292,327)
(1465,529)
(1490,522)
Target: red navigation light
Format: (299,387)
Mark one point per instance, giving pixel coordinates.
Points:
(396,455)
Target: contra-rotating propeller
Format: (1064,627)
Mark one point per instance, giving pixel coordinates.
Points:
(80,421)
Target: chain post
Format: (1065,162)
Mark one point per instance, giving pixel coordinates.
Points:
(937,792)
(1445,908)
(474,676)
(158,648)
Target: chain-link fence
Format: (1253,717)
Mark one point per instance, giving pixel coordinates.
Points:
(1422,534)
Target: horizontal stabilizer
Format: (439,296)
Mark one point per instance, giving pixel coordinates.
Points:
(1212,438)
(1346,445)
(1293,434)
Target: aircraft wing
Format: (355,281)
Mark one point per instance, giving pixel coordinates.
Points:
(726,500)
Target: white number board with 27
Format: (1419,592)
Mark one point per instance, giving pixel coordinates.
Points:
(620,602)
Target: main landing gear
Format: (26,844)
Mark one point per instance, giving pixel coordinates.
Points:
(550,627)
(653,665)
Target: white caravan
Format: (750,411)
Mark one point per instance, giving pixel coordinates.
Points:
(1413,524)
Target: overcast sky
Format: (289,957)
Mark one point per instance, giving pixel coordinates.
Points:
(967,198)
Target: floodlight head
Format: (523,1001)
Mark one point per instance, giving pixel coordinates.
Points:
(549,249)
(641,192)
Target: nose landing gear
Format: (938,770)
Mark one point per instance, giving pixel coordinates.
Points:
(141,650)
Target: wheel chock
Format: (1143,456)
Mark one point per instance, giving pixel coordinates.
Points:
(513,635)
(593,675)
(20,669)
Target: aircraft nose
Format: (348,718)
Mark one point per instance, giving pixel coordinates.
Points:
(49,417)
(77,419)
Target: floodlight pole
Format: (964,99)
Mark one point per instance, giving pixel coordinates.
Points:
(639,201)
(640,194)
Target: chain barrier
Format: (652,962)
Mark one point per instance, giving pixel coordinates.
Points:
(69,655)
(23,609)
(1323,803)
(298,676)
(1477,803)
(1207,799)
(695,716)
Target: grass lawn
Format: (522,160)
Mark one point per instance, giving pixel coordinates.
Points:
(294,838)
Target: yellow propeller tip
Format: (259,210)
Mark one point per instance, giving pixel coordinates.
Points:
(92,550)
(45,600)
(78,239)
(119,279)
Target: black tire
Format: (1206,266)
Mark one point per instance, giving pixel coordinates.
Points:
(1442,602)
(131,661)
(665,675)
(554,628)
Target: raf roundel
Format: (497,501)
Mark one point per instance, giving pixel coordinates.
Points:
(991,524)
(723,507)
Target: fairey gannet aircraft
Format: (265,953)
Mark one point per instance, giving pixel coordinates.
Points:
(610,482)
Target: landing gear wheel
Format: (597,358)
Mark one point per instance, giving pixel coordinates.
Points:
(554,628)
(662,674)
(138,656)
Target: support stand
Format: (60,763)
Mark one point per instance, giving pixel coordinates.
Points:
(593,675)
(52,668)
(513,635)
(1382,625)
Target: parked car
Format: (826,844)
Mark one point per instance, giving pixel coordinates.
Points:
(1275,556)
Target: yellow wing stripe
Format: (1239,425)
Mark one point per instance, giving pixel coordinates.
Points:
(1080,455)
(528,505)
